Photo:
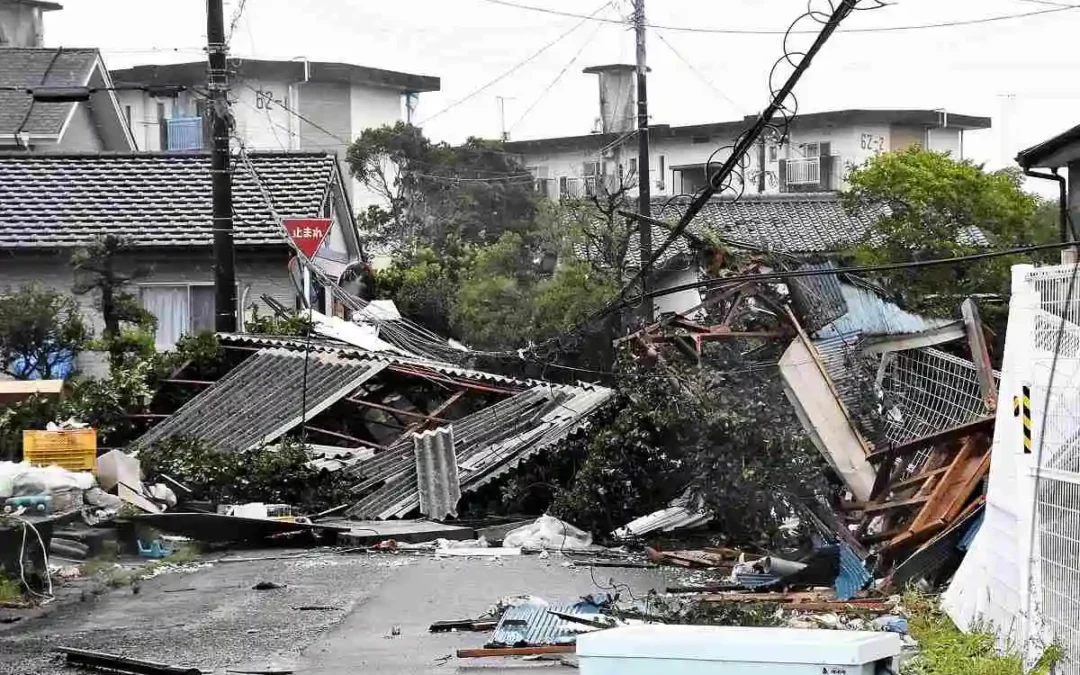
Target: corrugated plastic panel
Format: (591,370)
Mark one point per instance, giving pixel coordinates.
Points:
(533,625)
(262,398)
(817,300)
(438,487)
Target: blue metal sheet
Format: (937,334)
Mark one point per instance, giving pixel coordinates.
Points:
(972,531)
(870,314)
(853,576)
(534,625)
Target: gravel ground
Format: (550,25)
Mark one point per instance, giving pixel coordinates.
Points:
(211,619)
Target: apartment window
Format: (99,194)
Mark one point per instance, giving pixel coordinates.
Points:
(564,187)
(774,153)
(590,169)
(181,309)
(633,167)
(810,149)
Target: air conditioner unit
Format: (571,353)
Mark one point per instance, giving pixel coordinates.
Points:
(707,650)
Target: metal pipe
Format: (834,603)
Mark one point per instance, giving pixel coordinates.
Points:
(1063,199)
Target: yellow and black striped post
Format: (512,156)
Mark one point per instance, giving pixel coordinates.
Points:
(1022,409)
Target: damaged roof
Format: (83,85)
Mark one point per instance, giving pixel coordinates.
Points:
(152,199)
(263,398)
(488,443)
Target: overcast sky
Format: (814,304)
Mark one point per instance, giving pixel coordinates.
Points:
(1021,72)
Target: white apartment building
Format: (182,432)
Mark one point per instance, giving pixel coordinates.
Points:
(278,105)
(820,148)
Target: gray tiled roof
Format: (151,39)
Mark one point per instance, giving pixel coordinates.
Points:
(786,223)
(261,399)
(25,67)
(154,199)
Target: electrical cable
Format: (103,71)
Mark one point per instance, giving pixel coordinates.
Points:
(701,76)
(770,31)
(45,560)
(30,108)
(518,66)
(558,77)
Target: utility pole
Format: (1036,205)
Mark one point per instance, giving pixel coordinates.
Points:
(761,165)
(644,188)
(218,85)
(502,118)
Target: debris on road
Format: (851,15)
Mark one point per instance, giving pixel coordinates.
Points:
(267,586)
(83,658)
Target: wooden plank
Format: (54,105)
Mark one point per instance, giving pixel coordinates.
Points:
(395,411)
(953,433)
(344,437)
(515,651)
(871,507)
(956,480)
(918,479)
(973,326)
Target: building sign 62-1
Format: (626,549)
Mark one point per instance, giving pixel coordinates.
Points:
(872,142)
(264,99)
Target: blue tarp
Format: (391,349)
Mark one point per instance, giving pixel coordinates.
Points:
(853,576)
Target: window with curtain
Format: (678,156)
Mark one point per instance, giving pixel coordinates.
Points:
(180,310)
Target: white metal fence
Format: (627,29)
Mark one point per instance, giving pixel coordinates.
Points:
(804,171)
(1055,413)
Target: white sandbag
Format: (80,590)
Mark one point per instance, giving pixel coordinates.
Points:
(548,532)
(8,472)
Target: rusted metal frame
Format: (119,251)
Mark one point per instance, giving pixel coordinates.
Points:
(455,381)
(434,416)
(395,411)
(344,437)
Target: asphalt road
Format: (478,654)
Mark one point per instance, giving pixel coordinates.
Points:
(212,619)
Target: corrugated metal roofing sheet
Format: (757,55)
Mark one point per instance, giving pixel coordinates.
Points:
(488,443)
(853,576)
(817,300)
(438,485)
(869,314)
(535,625)
(263,398)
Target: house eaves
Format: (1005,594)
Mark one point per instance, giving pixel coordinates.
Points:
(1052,153)
(297,70)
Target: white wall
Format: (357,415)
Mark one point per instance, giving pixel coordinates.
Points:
(681,302)
(852,145)
(371,107)
(20,25)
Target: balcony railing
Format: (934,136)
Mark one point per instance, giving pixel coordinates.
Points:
(185,134)
(804,171)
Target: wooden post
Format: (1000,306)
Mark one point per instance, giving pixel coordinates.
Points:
(979,353)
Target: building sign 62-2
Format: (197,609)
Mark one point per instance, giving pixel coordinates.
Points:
(872,142)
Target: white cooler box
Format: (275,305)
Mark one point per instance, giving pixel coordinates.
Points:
(700,650)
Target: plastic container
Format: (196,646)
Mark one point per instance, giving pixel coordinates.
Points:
(74,449)
(701,650)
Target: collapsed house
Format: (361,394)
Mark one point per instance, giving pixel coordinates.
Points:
(414,433)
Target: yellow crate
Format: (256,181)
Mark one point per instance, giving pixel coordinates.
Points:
(74,450)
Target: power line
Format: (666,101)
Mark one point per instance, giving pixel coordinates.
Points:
(701,76)
(794,274)
(519,65)
(769,31)
(558,77)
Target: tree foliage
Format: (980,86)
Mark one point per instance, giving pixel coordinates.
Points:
(128,333)
(434,192)
(934,206)
(718,431)
(41,330)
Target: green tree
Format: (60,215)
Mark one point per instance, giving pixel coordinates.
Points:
(41,330)
(935,206)
(129,328)
(434,192)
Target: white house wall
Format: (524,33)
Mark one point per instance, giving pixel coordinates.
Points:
(682,302)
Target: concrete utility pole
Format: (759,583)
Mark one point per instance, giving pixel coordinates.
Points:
(502,118)
(644,187)
(218,84)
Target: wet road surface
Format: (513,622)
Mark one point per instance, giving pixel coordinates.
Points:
(211,619)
